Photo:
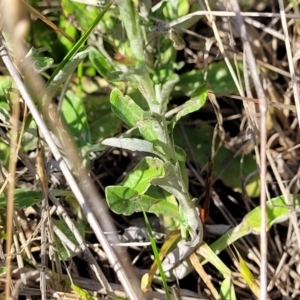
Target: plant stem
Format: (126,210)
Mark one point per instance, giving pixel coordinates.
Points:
(129,15)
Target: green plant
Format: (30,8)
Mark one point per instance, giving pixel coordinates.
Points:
(151,132)
(167,170)
(144,72)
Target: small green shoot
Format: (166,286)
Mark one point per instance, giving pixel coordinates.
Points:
(70,56)
(157,258)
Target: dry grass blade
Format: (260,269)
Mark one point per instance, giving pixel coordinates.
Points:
(10,189)
(63,214)
(223,52)
(269,103)
(230,14)
(147,279)
(239,54)
(198,267)
(286,194)
(47,21)
(263,143)
(45,217)
(77,191)
(290,59)
(37,88)
(15,19)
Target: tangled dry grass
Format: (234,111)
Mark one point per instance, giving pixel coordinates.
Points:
(262,119)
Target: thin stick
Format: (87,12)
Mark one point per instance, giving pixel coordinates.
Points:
(257,101)
(84,250)
(129,284)
(223,52)
(40,164)
(46,20)
(230,14)
(10,188)
(263,143)
(175,110)
(295,90)
(290,59)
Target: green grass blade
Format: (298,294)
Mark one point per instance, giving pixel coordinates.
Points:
(80,42)
(156,256)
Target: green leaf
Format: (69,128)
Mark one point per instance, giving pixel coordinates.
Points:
(69,57)
(180,155)
(168,87)
(129,15)
(40,64)
(64,252)
(125,108)
(5,85)
(197,101)
(183,7)
(84,15)
(151,129)
(140,177)
(66,70)
(169,181)
(126,201)
(227,289)
(82,293)
(100,63)
(227,166)
(4,153)
(103,123)
(131,144)
(208,254)
(107,70)
(26,198)
(277,212)
(169,223)
(74,114)
(69,30)
(219,80)
(30,136)
(166,92)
